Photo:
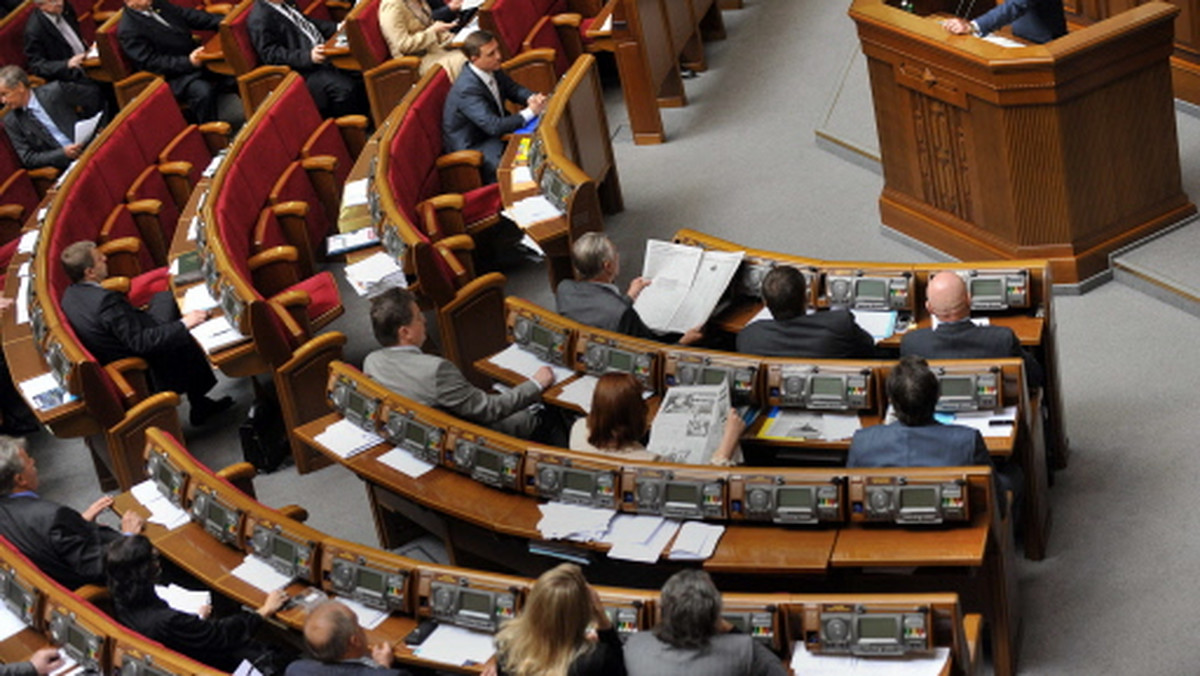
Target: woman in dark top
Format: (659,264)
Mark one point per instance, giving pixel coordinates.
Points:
(551,636)
(132,565)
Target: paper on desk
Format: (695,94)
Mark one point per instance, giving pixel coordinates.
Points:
(68,666)
(573,522)
(514,359)
(686,284)
(85,128)
(22,300)
(763,315)
(631,528)
(879,323)
(354,193)
(346,439)
(579,392)
(216,334)
(45,392)
(259,574)
(349,241)
(25,269)
(198,298)
(10,624)
(93,52)
(183,600)
(1003,41)
(531,244)
(29,241)
(520,175)
(404,462)
(369,618)
(162,510)
(375,274)
(1004,418)
(785,423)
(649,550)
(193,228)
(812,664)
(454,645)
(977,321)
(696,541)
(471,4)
(531,210)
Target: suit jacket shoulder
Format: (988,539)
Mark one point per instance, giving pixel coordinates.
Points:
(308,667)
(57,539)
(829,334)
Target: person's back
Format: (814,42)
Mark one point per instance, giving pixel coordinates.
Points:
(831,334)
(726,655)
(933,445)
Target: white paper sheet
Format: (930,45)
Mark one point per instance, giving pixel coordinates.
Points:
(44,392)
(193,228)
(579,392)
(574,522)
(375,274)
(349,241)
(810,664)
(68,666)
(216,334)
(29,239)
(696,541)
(651,549)
(183,600)
(763,315)
(246,669)
(404,462)
(354,193)
(162,510)
(526,364)
(259,574)
(467,29)
(686,284)
(631,528)
(368,618)
(10,624)
(25,269)
(22,300)
(521,175)
(454,645)
(879,323)
(531,210)
(977,321)
(347,439)
(998,423)
(797,424)
(198,298)
(85,128)
(1003,41)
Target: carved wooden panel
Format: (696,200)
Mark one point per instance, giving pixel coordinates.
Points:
(941,155)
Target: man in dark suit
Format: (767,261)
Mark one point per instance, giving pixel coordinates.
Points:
(283,36)
(793,333)
(1037,21)
(111,329)
(157,36)
(474,117)
(955,336)
(53,42)
(41,122)
(338,646)
(64,544)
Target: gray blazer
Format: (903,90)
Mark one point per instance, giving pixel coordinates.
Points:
(727,655)
(601,306)
(433,381)
(18,669)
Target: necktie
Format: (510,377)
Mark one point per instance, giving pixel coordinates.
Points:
(494,88)
(68,33)
(310,31)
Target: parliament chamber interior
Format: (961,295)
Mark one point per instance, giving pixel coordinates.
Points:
(857,142)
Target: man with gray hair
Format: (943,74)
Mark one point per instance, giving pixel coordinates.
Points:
(41,122)
(64,544)
(338,646)
(593,299)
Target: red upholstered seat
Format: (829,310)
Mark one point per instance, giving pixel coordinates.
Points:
(241,38)
(326,139)
(120,224)
(156,123)
(268,233)
(325,302)
(543,35)
(150,185)
(294,186)
(368,20)
(188,146)
(12,36)
(293,117)
(143,287)
(481,204)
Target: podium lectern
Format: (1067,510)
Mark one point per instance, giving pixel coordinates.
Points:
(1065,151)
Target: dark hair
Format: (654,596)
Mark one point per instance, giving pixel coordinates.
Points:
(77,258)
(783,291)
(912,389)
(473,44)
(132,567)
(691,606)
(618,416)
(391,310)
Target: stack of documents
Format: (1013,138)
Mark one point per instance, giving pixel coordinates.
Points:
(45,392)
(345,439)
(531,210)
(162,510)
(10,624)
(217,334)
(514,359)
(520,175)
(354,193)
(573,522)
(29,240)
(811,664)
(696,541)
(350,241)
(369,618)
(686,283)
(639,538)
(183,600)
(404,462)
(798,424)
(213,165)
(197,298)
(454,645)
(260,575)
(375,274)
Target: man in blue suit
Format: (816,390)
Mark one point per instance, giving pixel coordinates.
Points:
(474,117)
(1037,21)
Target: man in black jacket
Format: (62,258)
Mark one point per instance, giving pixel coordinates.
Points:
(41,121)
(283,36)
(64,544)
(792,332)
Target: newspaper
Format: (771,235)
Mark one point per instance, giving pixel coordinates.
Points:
(690,423)
(686,284)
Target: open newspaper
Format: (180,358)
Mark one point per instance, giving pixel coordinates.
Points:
(686,284)
(690,423)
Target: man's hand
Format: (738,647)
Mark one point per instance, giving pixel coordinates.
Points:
(544,377)
(132,523)
(274,602)
(318,54)
(46,660)
(72,151)
(194,318)
(76,61)
(194,57)
(536,103)
(454,5)
(96,508)
(958,26)
(383,654)
(204,611)
(441,27)
(692,336)
(636,286)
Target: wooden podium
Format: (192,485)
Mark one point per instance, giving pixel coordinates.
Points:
(1065,151)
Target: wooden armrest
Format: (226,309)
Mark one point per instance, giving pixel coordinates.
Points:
(205,57)
(92,593)
(145,206)
(447,201)
(276,254)
(128,364)
(290,208)
(129,393)
(238,472)
(354,132)
(43,179)
(221,8)
(175,168)
(130,376)
(457,243)
(319,163)
(531,57)
(470,158)
(292,298)
(130,245)
(216,135)
(118,284)
(459,171)
(14,212)
(351,122)
(295,513)
(567,19)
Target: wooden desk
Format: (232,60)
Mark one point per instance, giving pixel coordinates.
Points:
(21,646)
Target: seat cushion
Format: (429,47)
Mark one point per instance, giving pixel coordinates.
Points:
(481,204)
(143,287)
(322,292)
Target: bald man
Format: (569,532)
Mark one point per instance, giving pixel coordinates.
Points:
(956,337)
(338,646)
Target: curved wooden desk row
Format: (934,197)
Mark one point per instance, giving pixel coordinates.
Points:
(54,615)
(459,501)
(217,539)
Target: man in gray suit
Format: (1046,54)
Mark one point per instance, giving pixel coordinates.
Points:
(427,379)
(41,122)
(338,646)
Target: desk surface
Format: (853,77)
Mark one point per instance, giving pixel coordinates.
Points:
(859,545)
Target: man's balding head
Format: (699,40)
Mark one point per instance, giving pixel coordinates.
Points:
(946,297)
(332,633)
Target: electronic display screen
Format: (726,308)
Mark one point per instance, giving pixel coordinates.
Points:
(488,460)
(414,433)
(870,289)
(167,477)
(542,336)
(577,481)
(956,386)
(828,386)
(689,493)
(218,514)
(923,498)
(712,376)
(369,580)
(795,497)
(282,548)
(622,361)
(878,627)
(231,305)
(359,404)
(77,638)
(475,602)
(738,621)
(987,288)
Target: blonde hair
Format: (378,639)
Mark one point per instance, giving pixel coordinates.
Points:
(551,630)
